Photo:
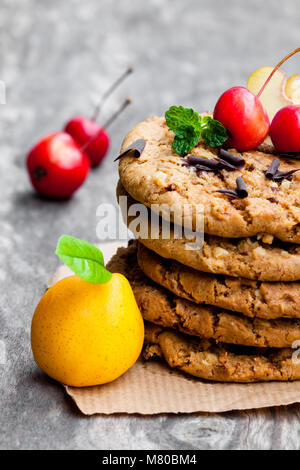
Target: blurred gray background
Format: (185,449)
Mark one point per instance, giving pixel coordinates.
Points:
(56,58)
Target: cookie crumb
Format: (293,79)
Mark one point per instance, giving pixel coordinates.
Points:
(285,184)
(268,238)
(259,252)
(220,252)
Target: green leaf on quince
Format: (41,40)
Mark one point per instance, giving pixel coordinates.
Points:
(83,258)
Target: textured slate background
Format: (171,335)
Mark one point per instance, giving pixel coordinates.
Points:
(55,58)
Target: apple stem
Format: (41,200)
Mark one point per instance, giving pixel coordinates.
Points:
(275,69)
(108,122)
(109,92)
(117,113)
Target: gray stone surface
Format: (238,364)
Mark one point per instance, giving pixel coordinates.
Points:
(55,58)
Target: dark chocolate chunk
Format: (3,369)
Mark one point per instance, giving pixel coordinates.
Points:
(241,187)
(171,187)
(136,148)
(235,160)
(272,169)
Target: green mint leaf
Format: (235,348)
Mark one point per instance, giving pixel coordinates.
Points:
(179,118)
(188,126)
(213,133)
(83,258)
(184,146)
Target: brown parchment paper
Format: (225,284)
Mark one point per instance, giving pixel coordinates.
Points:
(152,388)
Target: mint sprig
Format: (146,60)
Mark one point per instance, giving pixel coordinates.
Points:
(214,133)
(83,258)
(188,126)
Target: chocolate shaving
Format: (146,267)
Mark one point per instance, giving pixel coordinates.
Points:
(240,191)
(275,175)
(273,168)
(205,162)
(210,165)
(241,187)
(229,192)
(224,165)
(295,155)
(235,160)
(136,148)
(200,168)
(284,175)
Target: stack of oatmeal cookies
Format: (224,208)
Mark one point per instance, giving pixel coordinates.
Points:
(227,309)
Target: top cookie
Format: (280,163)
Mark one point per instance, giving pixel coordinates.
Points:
(159,176)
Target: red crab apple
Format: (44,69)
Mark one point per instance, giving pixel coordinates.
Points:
(57,166)
(285,129)
(243,115)
(90,135)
